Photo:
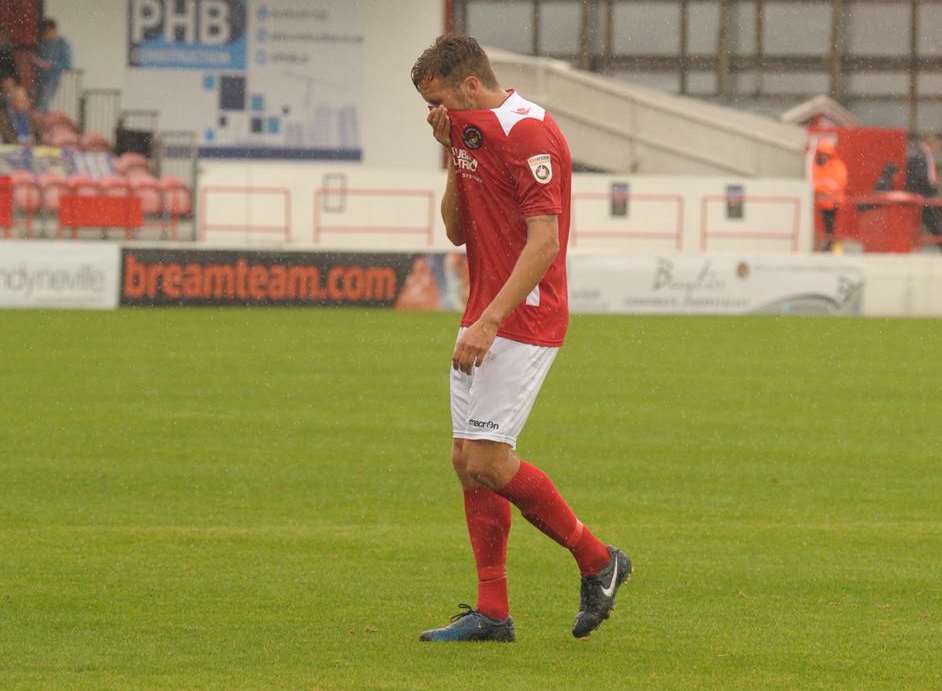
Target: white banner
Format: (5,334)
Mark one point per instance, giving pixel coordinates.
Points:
(75,275)
(715,284)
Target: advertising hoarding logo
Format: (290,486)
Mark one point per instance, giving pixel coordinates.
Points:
(718,284)
(55,275)
(187,34)
(180,277)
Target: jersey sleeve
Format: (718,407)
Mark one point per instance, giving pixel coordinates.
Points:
(534,163)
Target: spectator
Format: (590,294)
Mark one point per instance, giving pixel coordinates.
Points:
(55,55)
(7,59)
(7,85)
(17,121)
(830,183)
(920,168)
(922,178)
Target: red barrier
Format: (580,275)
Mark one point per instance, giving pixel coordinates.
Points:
(81,211)
(882,222)
(6,206)
(428,230)
(676,236)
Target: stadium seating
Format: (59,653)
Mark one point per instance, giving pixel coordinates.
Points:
(95,172)
(177,200)
(53,186)
(27,197)
(146,188)
(92,141)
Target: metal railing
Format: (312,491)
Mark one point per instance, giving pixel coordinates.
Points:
(68,98)
(101,109)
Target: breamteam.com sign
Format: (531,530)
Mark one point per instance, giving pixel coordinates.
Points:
(187,34)
(226,277)
(59,275)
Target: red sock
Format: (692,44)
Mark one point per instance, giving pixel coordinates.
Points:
(488,517)
(533,493)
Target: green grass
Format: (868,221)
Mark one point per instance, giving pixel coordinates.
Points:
(264,499)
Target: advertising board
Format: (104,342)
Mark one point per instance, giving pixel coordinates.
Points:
(715,284)
(58,275)
(168,277)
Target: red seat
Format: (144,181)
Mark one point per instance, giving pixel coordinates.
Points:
(57,117)
(53,187)
(131,161)
(139,174)
(60,135)
(177,200)
(83,185)
(149,192)
(115,186)
(27,196)
(92,141)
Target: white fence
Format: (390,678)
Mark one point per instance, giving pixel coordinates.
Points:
(348,207)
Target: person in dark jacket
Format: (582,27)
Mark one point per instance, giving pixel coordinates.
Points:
(922,178)
(7,58)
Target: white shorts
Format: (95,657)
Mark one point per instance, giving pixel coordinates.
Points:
(495,401)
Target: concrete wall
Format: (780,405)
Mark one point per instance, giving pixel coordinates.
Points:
(274,203)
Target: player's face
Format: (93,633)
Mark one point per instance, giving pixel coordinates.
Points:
(437,92)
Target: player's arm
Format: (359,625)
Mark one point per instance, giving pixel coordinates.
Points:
(451,214)
(537,256)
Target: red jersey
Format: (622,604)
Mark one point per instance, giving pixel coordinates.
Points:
(512,162)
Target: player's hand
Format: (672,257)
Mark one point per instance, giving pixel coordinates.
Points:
(473,346)
(441,125)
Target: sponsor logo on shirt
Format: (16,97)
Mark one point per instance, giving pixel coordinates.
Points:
(541,166)
(464,160)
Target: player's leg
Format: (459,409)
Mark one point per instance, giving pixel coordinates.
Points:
(603,568)
(494,464)
(503,397)
(488,519)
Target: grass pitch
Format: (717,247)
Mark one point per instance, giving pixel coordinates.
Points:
(263,499)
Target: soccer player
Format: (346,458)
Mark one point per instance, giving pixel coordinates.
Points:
(506,200)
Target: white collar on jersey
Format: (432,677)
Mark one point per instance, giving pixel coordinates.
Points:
(514,109)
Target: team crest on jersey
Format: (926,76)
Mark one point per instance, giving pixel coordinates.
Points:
(472,137)
(541,166)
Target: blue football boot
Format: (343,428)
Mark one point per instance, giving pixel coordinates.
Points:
(597,594)
(471,625)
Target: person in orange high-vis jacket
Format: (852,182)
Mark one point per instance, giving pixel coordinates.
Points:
(830,183)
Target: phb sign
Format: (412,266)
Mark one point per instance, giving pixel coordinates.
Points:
(187,34)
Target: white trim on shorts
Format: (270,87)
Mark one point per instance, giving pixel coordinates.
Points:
(495,400)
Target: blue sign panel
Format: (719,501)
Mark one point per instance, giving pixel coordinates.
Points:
(187,34)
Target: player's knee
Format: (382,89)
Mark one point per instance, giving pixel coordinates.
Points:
(483,461)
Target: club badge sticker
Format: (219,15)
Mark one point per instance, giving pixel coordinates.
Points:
(541,166)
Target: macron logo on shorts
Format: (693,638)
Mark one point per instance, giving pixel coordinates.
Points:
(484,424)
